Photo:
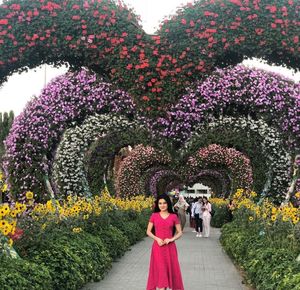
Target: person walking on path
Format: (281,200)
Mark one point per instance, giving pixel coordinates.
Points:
(198,214)
(164,270)
(206,209)
(192,218)
(181,206)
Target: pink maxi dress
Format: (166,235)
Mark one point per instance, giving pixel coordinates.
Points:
(164,270)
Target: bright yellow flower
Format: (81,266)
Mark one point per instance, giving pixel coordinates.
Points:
(10,242)
(77,230)
(285,219)
(29,195)
(13,213)
(250,218)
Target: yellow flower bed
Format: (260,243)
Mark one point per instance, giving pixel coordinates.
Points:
(82,207)
(218,201)
(8,220)
(57,210)
(267,210)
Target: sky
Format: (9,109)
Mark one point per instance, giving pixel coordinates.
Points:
(20,88)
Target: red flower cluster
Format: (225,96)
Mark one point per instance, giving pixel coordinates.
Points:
(107,38)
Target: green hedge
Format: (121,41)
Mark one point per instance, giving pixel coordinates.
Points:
(23,275)
(268,264)
(221,216)
(115,241)
(58,258)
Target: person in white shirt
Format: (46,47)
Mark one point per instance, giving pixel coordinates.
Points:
(198,213)
(192,218)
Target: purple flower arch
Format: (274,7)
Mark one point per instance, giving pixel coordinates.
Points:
(35,133)
(264,94)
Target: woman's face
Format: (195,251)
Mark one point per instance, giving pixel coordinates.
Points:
(163,205)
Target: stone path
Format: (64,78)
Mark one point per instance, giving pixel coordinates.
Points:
(204,265)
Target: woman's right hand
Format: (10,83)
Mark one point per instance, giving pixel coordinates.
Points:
(160,242)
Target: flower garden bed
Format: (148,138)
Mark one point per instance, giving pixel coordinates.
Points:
(68,243)
(265,243)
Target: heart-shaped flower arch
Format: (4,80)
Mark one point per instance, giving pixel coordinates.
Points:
(236,164)
(34,136)
(216,156)
(140,159)
(263,144)
(69,99)
(155,70)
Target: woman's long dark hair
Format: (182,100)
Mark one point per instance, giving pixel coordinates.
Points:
(167,199)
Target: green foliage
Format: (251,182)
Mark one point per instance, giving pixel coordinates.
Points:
(143,218)
(267,253)
(73,259)
(127,222)
(115,241)
(6,121)
(23,275)
(133,232)
(221,216)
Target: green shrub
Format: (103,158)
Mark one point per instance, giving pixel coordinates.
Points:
(220,217)
(267,266)
(96,223)
(23,275)
(115,241)
(291,282)
(143,219)
(268,263)
(72,259)
(133,232)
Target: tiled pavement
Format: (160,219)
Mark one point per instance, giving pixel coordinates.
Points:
(204,266)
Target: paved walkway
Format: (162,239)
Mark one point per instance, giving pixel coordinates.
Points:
(204,266)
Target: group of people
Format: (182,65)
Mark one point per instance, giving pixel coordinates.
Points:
(164,227)
(200,214)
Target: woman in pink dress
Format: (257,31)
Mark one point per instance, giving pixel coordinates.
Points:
(164,270)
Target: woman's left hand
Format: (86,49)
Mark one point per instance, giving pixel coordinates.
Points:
(167,241)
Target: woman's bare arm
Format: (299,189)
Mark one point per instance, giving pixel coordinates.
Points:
(150,234)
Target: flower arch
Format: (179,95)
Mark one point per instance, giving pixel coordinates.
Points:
(36,132)
(237,91)
(69,173)
(154,69)
(217,157)
(218,180)
(156,178)
(262,144)
(102,157)
(133,166)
